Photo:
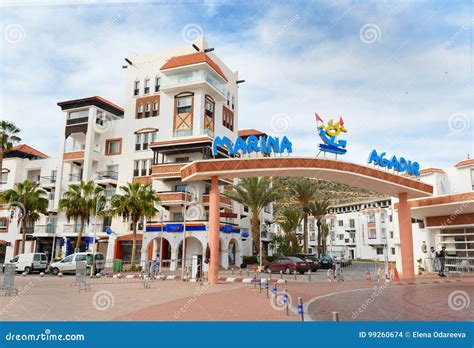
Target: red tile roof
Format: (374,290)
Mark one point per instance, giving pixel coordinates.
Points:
(28,150)
(248,132)
(432,171)
(190,59)
(465,163)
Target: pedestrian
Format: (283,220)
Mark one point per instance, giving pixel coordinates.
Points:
(155,267)
(442,260)
(434,261)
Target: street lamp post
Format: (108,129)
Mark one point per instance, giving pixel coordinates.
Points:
(185,208)
(95,231)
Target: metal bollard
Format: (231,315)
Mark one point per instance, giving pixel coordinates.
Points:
(275,290)
(248,272)
(309,275)
(254,281)
(267,289)
(285,301)
(260,285)
(269,274)
(300,308)
(294,273)
(335,316)
(281,274)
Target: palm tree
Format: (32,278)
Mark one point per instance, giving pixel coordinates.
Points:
(324,236)
(8,137)
(304,191)
(137,202)
(256,194)
(32,202)
(79,202)
(289,221)
(318,209)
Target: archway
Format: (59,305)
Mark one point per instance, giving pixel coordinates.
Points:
(332,170)
(193,247)
(234,253)
(3,250)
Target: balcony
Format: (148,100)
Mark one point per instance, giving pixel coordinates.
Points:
(173,197)
(187,79)
(77,120)
(106,177)
(167,170)
(224,201)
(48,182)
(73,156)
(75,177)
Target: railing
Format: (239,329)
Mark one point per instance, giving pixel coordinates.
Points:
(48,228)
(167,169)
(458,265)
(75,177)
(47,180)
(194,76)
(223,199)
(108,174)
(78,120)
(173,196)
(183,133)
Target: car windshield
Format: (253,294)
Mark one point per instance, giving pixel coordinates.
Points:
(295,259)
(326,258)
(15,259)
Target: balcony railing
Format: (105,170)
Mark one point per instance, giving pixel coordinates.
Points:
(107,175)
(78,120)
(177,80)
(183,133)
(174,197)
(47,180)
(163,170)
(223,200)
(75,177)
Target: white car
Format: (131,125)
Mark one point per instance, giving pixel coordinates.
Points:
(30,262)
(68,264)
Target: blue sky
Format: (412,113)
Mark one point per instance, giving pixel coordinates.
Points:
(399,72)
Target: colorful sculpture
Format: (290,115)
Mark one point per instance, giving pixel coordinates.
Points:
(329,135)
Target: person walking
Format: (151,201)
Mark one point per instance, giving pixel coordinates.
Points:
(442,260)
(434,261)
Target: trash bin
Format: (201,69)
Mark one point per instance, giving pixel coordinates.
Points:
(117,265)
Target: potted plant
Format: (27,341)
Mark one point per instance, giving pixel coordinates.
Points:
(420,267)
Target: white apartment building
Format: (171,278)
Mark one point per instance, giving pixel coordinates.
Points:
(176,101)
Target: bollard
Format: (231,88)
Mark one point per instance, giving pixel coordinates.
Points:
(294,273)
(233,270)
(275,293)
(300,308)
(260,285)
(248,272)
(335,316)
(285,301)
(269,274)
(267,289)
(309,275)
(254,281)
(281,274)
(240,272)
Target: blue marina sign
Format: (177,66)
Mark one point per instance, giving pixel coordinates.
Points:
(263,144)
(400,165)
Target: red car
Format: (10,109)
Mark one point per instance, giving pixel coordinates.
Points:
(288,265)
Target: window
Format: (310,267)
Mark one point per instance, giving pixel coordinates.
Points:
(180,187)
(209,115)
(178,217)
(351,223)
(142,167)
(371,218)
(383,234)
(4,178)
(113,147)
(379,251)
(136,168)
(81,257)
(136,88)
(140,111)
(68,258)
(157,84)
(36,257)
(341,237)
(147,86)
(393,251)
(228,99)
(155,108)
(372,233)
(183,115)
(228,118)
(181,159)
(340,223)
(233,102)
(391,234)
(147,110)
(390,218)
(3,224)
(142,140)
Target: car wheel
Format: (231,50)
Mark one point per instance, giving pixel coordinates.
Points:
(27,270)
(301,272)
(55,271)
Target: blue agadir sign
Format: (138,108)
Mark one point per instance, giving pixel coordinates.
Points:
(251,144)
(400,165)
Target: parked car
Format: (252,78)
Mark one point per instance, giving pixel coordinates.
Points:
(288,265)
(326,262)
(30,262)
(68,264)
(310,259)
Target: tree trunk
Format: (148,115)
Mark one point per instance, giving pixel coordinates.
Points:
(79,236)
(305,232)
(134,245)
(1,161)
(23,235)
(319,237)
(255,222)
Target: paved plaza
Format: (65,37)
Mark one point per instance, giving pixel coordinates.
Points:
(53,298)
